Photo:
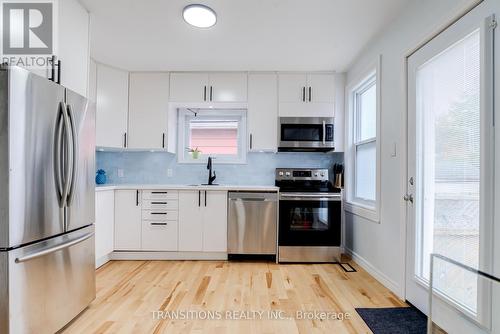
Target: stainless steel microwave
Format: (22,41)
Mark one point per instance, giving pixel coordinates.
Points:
(303,134)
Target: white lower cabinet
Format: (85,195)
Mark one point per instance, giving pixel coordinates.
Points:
(159,235)
(104,225)
(215,222)
(128,220)
(203,221)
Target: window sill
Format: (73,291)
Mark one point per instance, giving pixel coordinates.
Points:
(362,211)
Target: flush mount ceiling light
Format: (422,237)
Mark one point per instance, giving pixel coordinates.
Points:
(200,16)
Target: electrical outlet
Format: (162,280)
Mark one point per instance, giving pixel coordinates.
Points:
(121,173)
(170,172)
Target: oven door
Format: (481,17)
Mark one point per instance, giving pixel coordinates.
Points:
(306,133)
(309,219)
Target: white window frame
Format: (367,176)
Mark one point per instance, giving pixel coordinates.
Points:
(187,114)
(365,208)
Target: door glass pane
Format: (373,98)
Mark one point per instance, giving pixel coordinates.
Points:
(366,168)
(301,132)
(448,165)
(368,112)
(308,219)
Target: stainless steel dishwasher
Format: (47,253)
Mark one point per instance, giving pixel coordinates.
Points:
(252,223)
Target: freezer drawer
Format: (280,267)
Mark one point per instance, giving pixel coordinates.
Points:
(252,220)
(45,285)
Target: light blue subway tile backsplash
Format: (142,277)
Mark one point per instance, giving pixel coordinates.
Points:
(152,167)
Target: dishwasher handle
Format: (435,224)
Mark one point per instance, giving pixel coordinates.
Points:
(252,200)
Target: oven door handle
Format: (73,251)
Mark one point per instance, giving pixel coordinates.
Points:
(306,197)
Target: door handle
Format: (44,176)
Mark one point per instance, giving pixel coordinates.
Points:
(125,140)
(68,163)
(205,93)
(199,198)
(158,224)
(211,90)
(205,198)
(324,132)
(54,249)
(304,94)
(408,198)
(251,141)
(310,93)
(74,150)
(57,154)
(163,140)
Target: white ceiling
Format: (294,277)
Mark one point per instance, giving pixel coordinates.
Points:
(249,35)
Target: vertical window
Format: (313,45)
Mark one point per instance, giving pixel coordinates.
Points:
(362,154)
(217,133)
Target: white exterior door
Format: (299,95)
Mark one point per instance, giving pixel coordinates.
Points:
(214,221)
(450,172)
(190,221)
(148,110)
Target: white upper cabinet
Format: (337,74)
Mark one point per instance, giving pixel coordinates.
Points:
(112,107)
(302,95)
(228,87)
(321,88)
(148,110)
(262,111)
(189,87)
(208,87)
(292,88)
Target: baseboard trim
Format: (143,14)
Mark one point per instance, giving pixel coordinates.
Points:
(128,255)
(377,274)
(102,260)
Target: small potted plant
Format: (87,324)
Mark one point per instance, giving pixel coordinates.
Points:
(195,152)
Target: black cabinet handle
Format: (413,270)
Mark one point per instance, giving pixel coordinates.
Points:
(199,198)
(59,72)
(125,140)
(211,91)
(159,192)
(205,198)
(158,213)
(251,141)
(158,224)
(205,93)
(303,94)
(310,93)
(137,198)
(163,140)
(159,203)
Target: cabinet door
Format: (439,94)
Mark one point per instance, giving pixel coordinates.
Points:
(190,221)
(112,107)
(262,112)
(215,221)
(189,87)
(159,235)
(127,220)
(321,88)
(104,223)
(228,87)
(148,110)
(292,88)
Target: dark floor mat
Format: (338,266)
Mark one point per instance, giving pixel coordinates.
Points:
(394,320)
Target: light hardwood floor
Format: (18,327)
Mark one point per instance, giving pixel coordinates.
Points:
(128,293)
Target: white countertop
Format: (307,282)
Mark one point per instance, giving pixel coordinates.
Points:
(185,187)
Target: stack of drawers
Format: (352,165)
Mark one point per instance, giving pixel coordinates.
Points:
(160,212)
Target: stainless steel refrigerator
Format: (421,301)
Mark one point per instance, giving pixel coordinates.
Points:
(47,209)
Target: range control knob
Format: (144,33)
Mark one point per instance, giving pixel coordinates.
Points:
(280,173)
(316,174)
(322,174)
(287,174)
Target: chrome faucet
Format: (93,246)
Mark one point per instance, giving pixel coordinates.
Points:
(211,178)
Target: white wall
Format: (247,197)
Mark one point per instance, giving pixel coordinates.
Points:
(379,247)
(73,45)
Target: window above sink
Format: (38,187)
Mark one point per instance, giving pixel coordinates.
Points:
(219,133)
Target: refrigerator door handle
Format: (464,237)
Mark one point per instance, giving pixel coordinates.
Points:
(74,150)
(57,153)
(68,163)
(50,250)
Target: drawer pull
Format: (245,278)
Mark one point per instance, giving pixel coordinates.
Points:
(159,192)
(159,203)
(158,213)
(158,224)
